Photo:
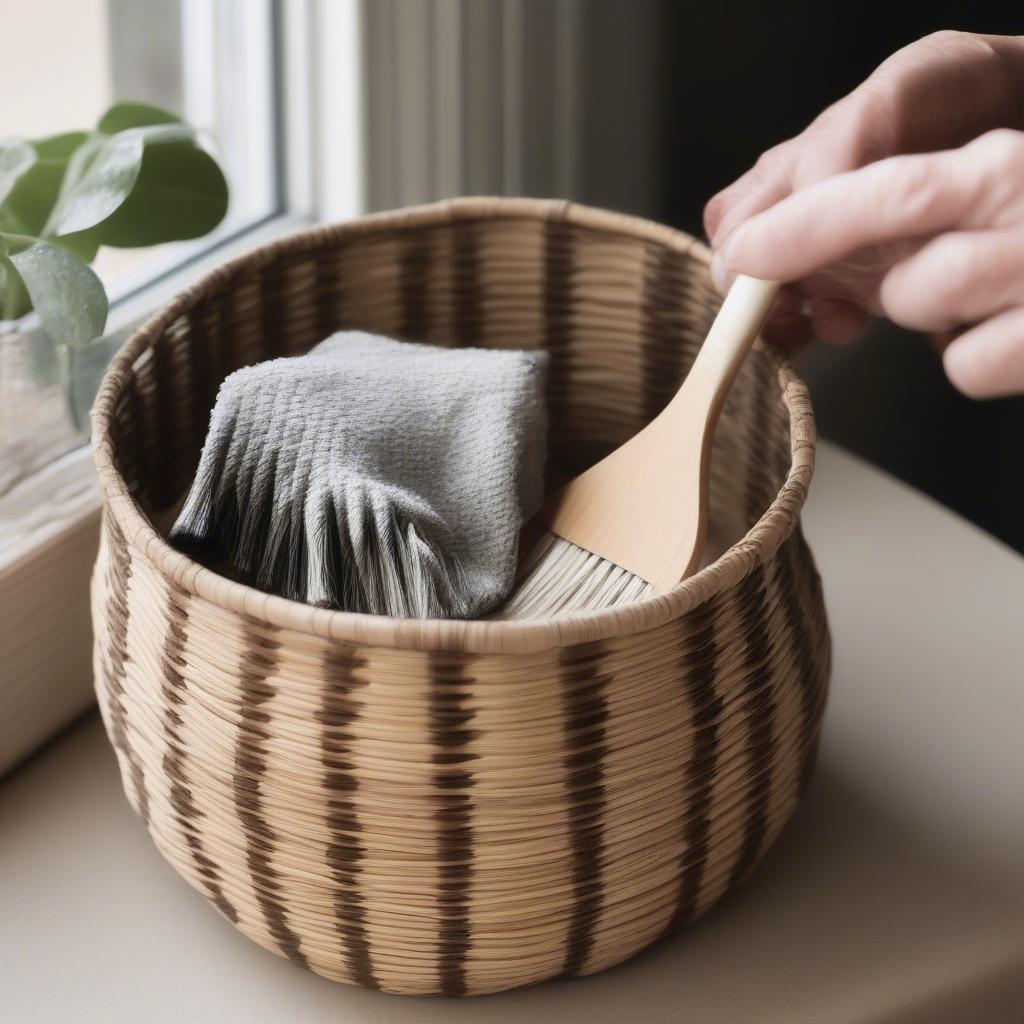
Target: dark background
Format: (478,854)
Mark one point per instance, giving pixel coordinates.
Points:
(730,80)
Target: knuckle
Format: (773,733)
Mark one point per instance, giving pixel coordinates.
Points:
(778,161)
(954,41)
(900,297)
(955,274)
(994,165)
(856,131)
(920,191)
(1003,145)
(930,290)
(873,123)
(966,50)
(944,36)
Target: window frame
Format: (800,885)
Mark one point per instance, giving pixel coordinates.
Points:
(277,116)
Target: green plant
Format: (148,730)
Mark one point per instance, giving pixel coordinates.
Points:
(139,178)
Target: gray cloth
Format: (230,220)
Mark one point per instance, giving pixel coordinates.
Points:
(373,475)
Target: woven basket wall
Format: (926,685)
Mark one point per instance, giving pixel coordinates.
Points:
(458,807)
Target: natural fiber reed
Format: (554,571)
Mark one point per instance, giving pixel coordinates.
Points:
(462,807)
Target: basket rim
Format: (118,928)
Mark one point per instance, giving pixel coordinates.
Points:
(755,548)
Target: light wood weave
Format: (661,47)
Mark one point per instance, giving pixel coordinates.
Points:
(462,807)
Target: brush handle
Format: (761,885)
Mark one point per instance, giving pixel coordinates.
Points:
(732,334)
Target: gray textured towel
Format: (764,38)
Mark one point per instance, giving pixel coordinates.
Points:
(373,475)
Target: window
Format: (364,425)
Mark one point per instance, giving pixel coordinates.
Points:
(215,62)
(212,61)
(253,75)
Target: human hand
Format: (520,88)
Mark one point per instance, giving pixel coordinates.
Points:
(934,241)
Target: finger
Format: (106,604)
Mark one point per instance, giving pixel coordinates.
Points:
(941,340)
(788,332)
(958,278)
(798,318)
(843,137)
(835,321)
(762,186)
(901,197)
(786,325)
(988,360)
(940,91)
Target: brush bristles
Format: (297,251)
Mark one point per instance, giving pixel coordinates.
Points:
(356,547)
(560,578)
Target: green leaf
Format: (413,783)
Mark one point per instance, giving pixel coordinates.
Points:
(100,176)
(158,134)
(180,193)
(139,179)
(16,157)
(59,147)
(32,198)
(65,292)
(14,300)
(102,172)
(134,115)
(83,244)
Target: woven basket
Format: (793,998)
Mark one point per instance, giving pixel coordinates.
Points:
(462,807)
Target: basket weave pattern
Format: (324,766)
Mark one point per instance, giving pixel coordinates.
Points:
(456,807)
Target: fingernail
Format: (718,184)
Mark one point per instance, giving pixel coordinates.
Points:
(711,214)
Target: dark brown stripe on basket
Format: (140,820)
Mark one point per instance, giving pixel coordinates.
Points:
(758,708)
(345,854)
(450,716)
(802,651)
(165,399)
(232,350)
(173,689)
(585,709)
(663,353)
(117,619)
(327,298)
(468,322)
(273,309)
(257,662)
(760,487)
(556,299)
(698,668)
(818,645)
(808,583)
(128,433)
(414,287)
(204,380)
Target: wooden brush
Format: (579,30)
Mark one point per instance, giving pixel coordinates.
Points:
(635,523)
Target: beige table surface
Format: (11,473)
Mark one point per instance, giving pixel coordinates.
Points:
(896,895)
